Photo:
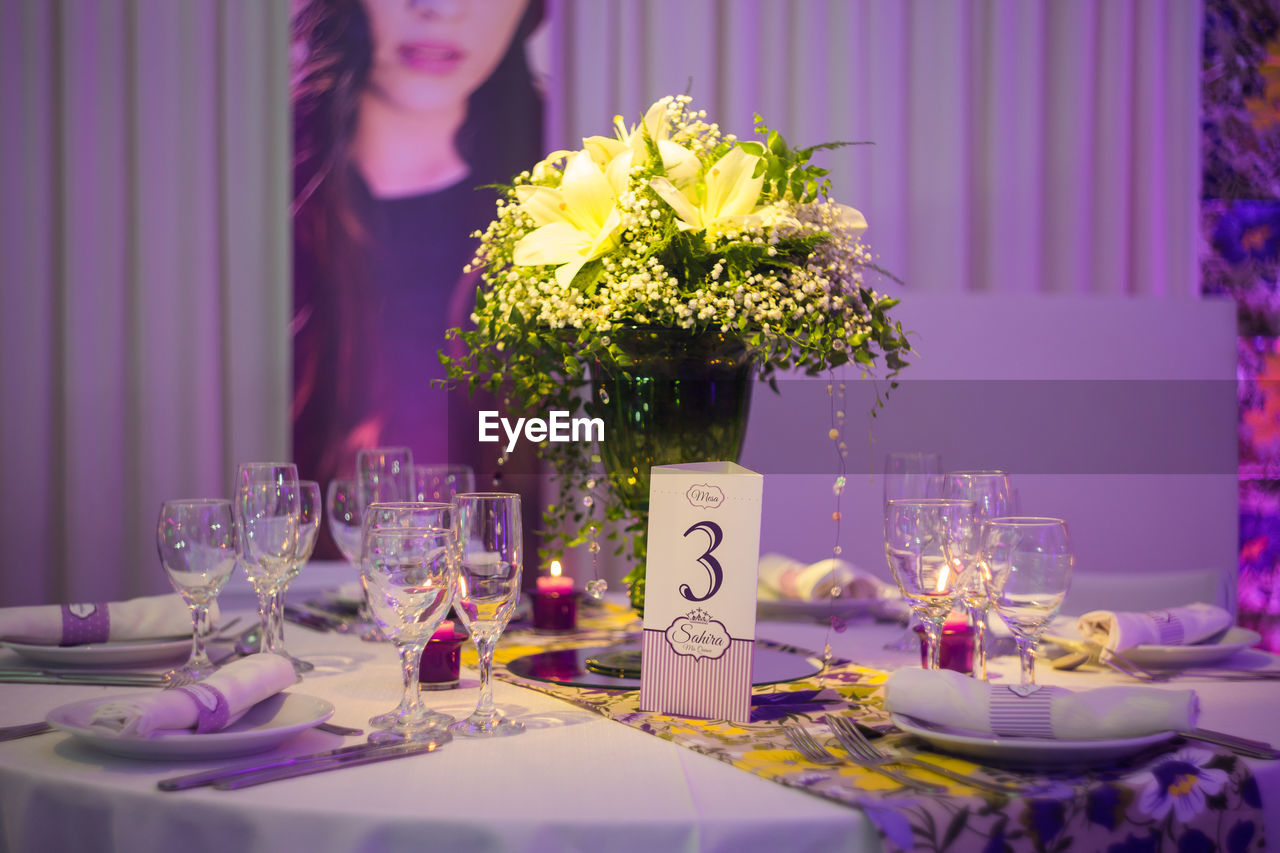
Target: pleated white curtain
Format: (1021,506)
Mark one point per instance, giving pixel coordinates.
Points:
(144,279)
(1020,145)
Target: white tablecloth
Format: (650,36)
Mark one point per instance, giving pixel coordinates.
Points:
(574,781)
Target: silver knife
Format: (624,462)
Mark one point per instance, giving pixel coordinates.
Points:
(1244,746)
(106,679)
(209,777)
(398,750)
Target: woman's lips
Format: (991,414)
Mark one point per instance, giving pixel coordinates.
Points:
(431,57)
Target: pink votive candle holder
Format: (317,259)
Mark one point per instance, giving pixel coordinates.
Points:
(956,650)
(441,658)
(555,612)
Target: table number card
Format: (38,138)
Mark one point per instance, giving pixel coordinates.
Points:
(700,590)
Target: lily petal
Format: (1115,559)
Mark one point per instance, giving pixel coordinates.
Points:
(730,188)
(587,192)
(545,204)
(681,205)
(681,164)
(853,219)
(557,243)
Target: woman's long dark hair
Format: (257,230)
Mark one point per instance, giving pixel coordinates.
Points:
(333,49)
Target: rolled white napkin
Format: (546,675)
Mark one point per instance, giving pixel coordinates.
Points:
(1177,626)
(206,706)
(951,699)
(145,618)
(782,577)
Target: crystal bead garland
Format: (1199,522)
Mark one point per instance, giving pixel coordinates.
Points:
(835,394)
(597,586)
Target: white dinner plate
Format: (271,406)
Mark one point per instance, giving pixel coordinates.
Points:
(127,653)
(1024,751)
(1200,654)
(805,610)
(269,723)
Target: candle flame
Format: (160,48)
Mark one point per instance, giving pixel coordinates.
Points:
(943,575)
(555,568)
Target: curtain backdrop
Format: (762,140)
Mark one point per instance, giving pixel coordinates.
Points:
(145,286)
(1020,146)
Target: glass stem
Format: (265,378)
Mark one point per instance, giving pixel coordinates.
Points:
(199,631)
(484,705)
(978,616)
(1027,655)
(266,639)
(278,609)
(410,663)
(933,641)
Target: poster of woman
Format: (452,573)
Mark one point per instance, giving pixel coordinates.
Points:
(404,112)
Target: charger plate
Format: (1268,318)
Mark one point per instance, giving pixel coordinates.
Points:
(617,667)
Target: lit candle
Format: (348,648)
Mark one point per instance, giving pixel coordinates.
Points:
(555,582)
(445,631)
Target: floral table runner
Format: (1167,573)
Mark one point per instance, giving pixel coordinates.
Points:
(1188,798)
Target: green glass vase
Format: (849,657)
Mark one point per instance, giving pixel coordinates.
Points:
(668,396)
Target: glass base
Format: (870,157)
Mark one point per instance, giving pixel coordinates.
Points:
(476,726)
(189,673)
(909,641)
(431,733)
(394,721)
(300,666)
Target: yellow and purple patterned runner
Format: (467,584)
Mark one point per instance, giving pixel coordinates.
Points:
(1181,797)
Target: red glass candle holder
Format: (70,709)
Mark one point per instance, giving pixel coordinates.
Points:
(440,661)
(555,612)
(956,651)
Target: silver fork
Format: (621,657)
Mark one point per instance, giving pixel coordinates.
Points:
(819,754)
(862,749)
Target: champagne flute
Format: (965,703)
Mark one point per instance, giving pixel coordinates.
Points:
(913,474)
(398,515)
(921,539)
(268,511)
(491,556)
(412,574)
(309,513)
(1029,561)
(442,482)
(384,474)
(346,525)
(196,541)
(990,492)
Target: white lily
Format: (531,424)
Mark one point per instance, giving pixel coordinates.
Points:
(578,221)
(627,147)
(726,202)
(853,220)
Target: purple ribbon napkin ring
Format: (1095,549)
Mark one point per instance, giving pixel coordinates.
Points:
(85,623)
(212,709)
(1169,627)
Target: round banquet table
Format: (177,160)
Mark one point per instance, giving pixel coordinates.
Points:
(573,781)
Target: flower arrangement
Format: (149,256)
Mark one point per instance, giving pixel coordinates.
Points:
(666,224)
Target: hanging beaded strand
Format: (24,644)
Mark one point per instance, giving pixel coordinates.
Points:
(836,400)
(597,586)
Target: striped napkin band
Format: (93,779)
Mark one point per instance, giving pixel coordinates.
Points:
(1169,627)
(1013,714)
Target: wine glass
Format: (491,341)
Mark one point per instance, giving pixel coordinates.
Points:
(913,474)
(197,545)
(309,513)
(411,574)
(1029,561)
(384,474)
(921,540)
(491,556)
(990,492)
(346,525)
(442,482)
(396,515)
(268,513)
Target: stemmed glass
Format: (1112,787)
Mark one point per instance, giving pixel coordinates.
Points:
(915,474)
(309,513)
(268,516)
(491,556)
(411,573)
(922,538)
(1029,561)
(990,493)
(442,482)
(399,515)
(346,524)
(196,541)
(384,474)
